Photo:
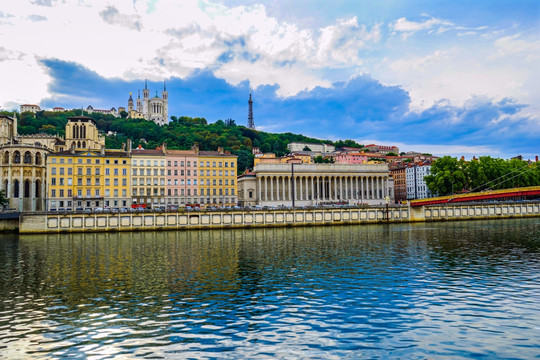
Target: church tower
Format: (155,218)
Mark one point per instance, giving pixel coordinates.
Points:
(130,104)
(139,102)
(251,123)
(146,98)
(165,97)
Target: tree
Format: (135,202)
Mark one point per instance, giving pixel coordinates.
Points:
(3,200)
(392,154)
(447,176)
(123,114)
(244,161)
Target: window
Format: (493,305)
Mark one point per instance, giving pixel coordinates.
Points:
(88,181)
(53,171)
(181,163)
(134,171)
(70,181)
(135,182)
(115,192)
(124,172)
(115,172)
(61,181)
(107,192)
(69,193)
(70,171)
(116,162)
(97,171)
(53,181)
(169,164)
(107,182)
(79,181)
(124,192)
(97,192)
(115,182)
(134,162)
(53,193)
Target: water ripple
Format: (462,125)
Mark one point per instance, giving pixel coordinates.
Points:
(457,290)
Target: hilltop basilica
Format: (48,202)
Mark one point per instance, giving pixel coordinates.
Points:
(154,109)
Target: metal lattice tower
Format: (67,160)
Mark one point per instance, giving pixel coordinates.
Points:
(251,123)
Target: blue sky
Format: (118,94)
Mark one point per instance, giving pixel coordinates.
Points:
(456,78)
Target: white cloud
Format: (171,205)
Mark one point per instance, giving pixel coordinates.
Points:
(407,28)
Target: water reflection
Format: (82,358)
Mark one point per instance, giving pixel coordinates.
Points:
(460,289)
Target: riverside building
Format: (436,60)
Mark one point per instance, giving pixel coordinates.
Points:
(315,184)
(182,177)
(217,177)
(148,178)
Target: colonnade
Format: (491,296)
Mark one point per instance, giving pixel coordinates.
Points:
(322,188)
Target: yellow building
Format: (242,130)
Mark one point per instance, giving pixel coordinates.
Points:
(148,178)
(217,178)
(89,179)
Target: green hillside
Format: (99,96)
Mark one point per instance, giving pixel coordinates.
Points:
(181,133)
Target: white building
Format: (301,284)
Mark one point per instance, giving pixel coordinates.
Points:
(154,109)
(317,148)
(30,107)
(315,184)
(416,185)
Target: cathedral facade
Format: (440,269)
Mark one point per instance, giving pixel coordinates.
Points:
(154,109)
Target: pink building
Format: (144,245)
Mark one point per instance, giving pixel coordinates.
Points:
(182,176)
(350,158)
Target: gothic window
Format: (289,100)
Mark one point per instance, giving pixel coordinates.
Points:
(84,144)
(83,132)
(17,157)
(38,159)
(78,144)
(27,158)
(75,131)
(27,187)
(6,158)
(6,187)
(16,189)
(37,188)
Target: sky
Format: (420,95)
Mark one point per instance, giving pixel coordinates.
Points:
(446,77)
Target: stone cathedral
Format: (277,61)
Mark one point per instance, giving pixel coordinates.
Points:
(154,109)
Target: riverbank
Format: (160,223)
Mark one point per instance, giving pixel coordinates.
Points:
(148,221)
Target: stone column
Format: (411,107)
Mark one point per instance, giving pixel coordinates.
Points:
(372,187)
(347,196)
(290,189)
(301,192)
(272,188)
(259,190)
(362,188)
(312,187)
(283,188)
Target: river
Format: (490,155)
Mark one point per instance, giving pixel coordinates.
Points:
(453,290)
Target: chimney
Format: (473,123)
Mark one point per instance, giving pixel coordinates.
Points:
(195,148)
(123,146)
(72,148)
(103,149)
(164,147)
(129,147)
(220,150)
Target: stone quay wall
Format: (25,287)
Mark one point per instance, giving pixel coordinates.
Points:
(149,221)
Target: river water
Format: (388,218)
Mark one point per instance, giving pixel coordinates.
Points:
(454,290)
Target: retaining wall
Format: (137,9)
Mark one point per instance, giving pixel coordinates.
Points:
(54,223)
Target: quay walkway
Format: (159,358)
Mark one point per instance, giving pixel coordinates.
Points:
(277,217)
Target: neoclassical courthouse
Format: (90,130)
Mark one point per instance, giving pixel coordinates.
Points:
(315,184)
